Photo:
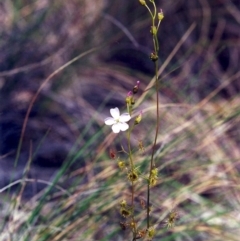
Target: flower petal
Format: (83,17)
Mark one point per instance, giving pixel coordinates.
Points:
(123,126)
(115,113)
(109,121)
(116,128)
(124,117)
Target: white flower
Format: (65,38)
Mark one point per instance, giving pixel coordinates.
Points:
(118,121)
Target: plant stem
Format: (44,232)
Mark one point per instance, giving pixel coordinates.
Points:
(133,191)
(131,162)
(154,144)
(152,164)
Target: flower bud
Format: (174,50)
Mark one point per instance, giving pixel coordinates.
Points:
(153,30)
(152,181)
(135,88)
(112,154)
(154,172)
(123,203)
(154,57)
(125,212)
(138,119)
(141,146)
(129,98)
(143,2)
(160,15)
(121,164)
(151,232)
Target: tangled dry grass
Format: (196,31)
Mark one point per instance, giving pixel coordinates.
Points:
(66,187)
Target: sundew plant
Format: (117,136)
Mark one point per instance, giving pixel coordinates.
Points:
(144,228)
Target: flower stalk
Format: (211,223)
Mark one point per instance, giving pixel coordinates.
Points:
(119,123)
(154,57)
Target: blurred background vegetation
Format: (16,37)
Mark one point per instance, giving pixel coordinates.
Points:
(67,188)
